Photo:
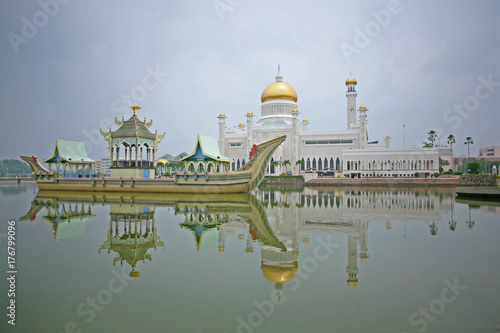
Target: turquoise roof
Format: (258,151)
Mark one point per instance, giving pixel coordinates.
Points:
(70,152)
(206,147)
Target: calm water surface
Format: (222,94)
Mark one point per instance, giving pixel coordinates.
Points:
(317,260)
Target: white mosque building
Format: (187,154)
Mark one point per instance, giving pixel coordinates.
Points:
(342,153)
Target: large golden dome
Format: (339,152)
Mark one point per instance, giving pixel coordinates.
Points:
(279,274)
(279,90)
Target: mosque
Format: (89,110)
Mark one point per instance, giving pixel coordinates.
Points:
(345,153)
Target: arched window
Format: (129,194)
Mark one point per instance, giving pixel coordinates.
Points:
(302,166)
(320,164)
(308,163)
(272,166)
(331,163)
(314,164)
(238,165)
(337,164)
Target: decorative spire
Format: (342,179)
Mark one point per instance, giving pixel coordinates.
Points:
(279,76)
(135,108)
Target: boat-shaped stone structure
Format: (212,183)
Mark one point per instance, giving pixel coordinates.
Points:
(245,179)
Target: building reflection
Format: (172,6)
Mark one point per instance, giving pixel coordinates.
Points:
(132,233)
(67,219)
(278,223)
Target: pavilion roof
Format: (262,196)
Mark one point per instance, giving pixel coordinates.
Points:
(209,147)
(132,127)
(69,152)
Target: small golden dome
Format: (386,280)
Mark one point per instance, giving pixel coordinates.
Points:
(362,107)
(279,90)
(279,274)
(249,250)
(249,113)
(351,80)
(295,110)
(305,121)
(222,114)
(352,284)
(221,248)
(242,124)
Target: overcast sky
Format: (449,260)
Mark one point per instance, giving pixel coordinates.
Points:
(68,67)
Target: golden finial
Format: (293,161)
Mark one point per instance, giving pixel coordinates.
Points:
(136,108)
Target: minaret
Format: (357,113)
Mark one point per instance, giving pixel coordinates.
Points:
(249,130)
(351,95)
(295,144)
(363,243)
(363,131)
(222,133)
(352,262)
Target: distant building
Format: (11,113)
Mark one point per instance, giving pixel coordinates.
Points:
(489,151)
(105,166)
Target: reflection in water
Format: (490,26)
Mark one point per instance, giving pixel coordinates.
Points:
(132,232)
(281,221)
(231,253)
(68,219)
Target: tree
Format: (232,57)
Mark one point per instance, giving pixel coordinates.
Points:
(286,163)
(468,142)
(300,162)
(451,141)
(473,167)
(427,144)
(275,163)
(432,137)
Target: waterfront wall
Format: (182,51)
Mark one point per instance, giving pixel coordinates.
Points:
(299,181)
(329,181)
(478,180)
(466,180)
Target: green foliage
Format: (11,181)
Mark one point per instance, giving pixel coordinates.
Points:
(437,174)
(395,175)
(441,169)
(283,174)
(417,174)
(443,162)
(473,167)
(458,172)
(14,166)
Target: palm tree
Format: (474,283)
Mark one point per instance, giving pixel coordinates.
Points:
(275,163)
(432,137)
(451,141)
(286,163)
(301,163)
(468,142)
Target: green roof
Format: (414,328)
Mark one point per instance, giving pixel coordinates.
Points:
(209,147)
(70,152)
(133,125)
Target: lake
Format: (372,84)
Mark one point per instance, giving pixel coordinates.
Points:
(313,260)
